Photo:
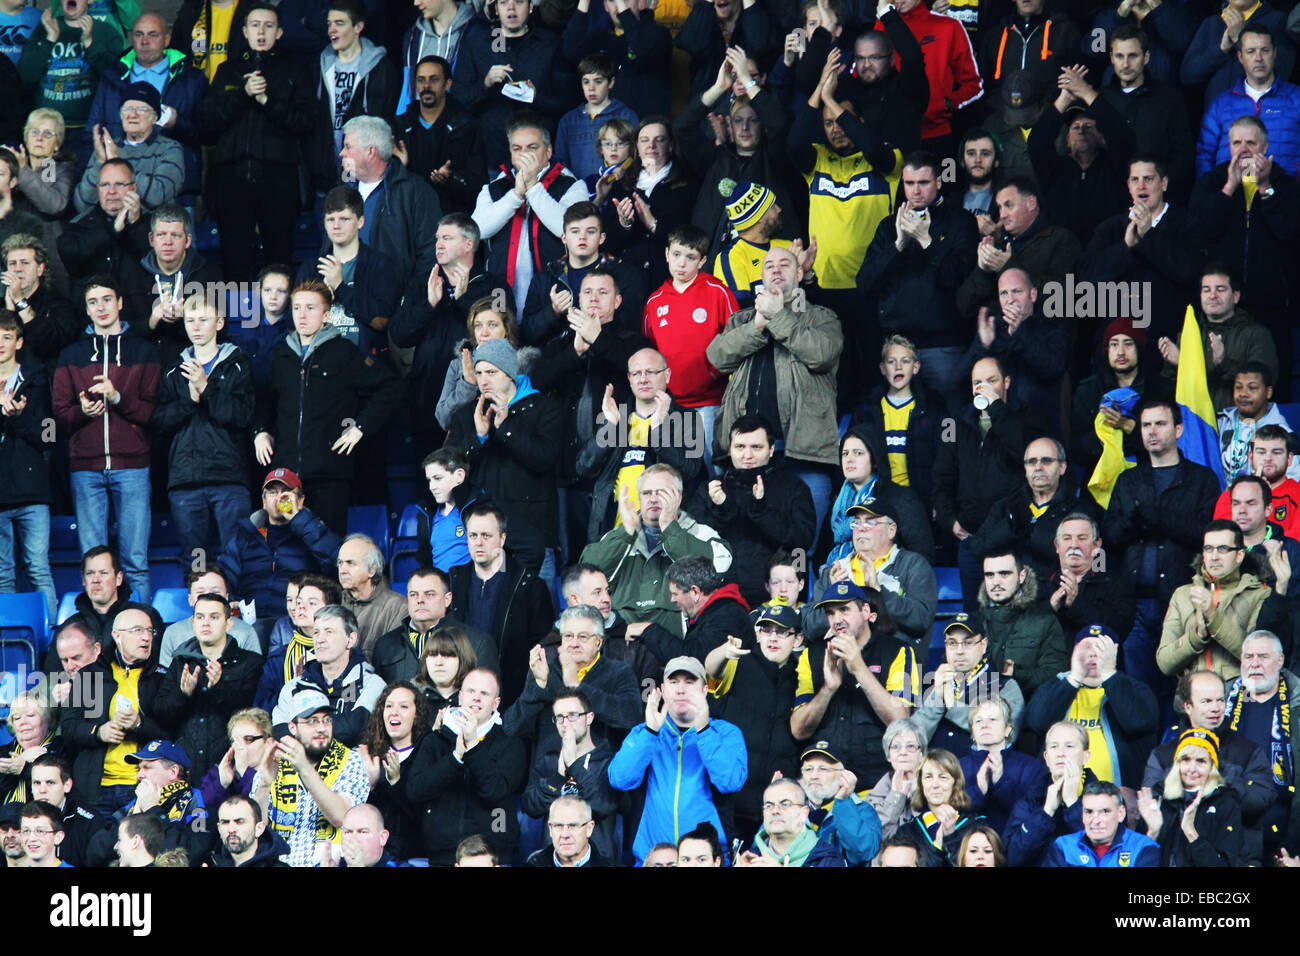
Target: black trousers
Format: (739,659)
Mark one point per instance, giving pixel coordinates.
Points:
(265,207)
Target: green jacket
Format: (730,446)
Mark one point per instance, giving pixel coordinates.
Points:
(638,580)
(1244,340)
(807,344)
(1028,635)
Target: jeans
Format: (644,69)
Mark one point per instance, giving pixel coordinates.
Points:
(205,517)
(128,489)
(942,371)
(550,574)
(708,415)
(971,571)
(32,522)
(1139,653)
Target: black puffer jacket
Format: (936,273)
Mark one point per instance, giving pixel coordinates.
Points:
(144,284)
(724,614)
(89,245)
(1220,837)
(976,470)
(1085,446)
(1011,526)
(1172,522)
(251,136)
(200,718)
(56,326)
(208,439)
(308,402)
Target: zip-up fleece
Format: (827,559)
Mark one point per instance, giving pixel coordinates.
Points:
(118,439)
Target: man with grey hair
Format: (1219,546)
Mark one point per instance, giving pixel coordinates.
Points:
(521,210)
(401,211)
(786,837)
(1259,707)
(1025,519)
(339,672)
(1081,589)
(570,824)
(49,321)
(378,608)
(608,684)
(652,533)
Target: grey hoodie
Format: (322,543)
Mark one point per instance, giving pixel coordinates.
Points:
(327,332)
(421,41)
(370,56)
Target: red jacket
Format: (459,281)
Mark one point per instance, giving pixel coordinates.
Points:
(1285,507)
(949,65)
(119,439)
(681,325)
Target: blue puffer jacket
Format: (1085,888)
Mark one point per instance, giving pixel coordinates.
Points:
(1129,848)
(259,566)
(1278,110)
(1205,61)
(683,765)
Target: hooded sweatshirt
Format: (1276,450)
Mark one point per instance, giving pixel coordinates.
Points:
(421,41)
(338,92)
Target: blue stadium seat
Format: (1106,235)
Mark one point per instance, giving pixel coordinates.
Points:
(10,684)
(399,586)
(163,542)
(949,581)
(371,520)
(1291,412)
(405,546)
(167,573)
(173,604)
(409,523)
(67,606)
(402,493)
(65,547)
(67,577)
(402,567)
(24,618)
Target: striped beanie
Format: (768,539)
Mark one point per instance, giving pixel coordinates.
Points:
(746,202)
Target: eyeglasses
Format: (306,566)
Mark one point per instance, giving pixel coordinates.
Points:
(971,642)
(34,833)
(871,524)
(133,110)
(646,373)
(578,637)
(42,133)
(897,748)
(1040,461)
(561,719)
(566,827)
(321,720)
(135,631)
(1219,549)
(769,806)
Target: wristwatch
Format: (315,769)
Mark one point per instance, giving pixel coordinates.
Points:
(1267,193)
(21,305)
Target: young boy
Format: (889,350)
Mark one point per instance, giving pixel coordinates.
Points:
(682,318)
(257,327)
(321,384)
(441,529)
(24,494)
(901,411)
(205,408)
(105,386)
(787,580)
(365,296)
(579,129)
(554,289)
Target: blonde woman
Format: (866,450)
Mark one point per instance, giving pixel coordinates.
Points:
(1197,819)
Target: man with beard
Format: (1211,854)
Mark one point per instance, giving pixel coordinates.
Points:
(977,154)
(1119,364)
(1272,458)
(11,841)
(1025,639)
(1081,589)
(1208,618)
(439,142)
(245,839)
(756,219)
(1259,709)
(838,811)
(308,780)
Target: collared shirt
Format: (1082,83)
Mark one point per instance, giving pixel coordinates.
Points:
(581,861)
(155,76)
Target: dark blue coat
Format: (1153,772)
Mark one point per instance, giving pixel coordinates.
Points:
(259,570)
(1021,775)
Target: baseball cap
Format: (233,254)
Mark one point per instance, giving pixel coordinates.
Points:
(285,477)
(783,615)
(877,507)
(819,749)
(962,622)
(1095,630)
(161,750)
(685,664)
(841,592)
(308,701)
(1021,97)
(10,814)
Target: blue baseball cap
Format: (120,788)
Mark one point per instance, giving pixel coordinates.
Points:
(841,592)
(1096,630)
(161,750)
(782,615)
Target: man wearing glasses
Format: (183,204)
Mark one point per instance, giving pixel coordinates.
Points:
(1209,618)
(570,824)
(308,780)
(608,684)
(787,838)
(116,715)
(41,832)
(576,766)
(961,682)
(1025,519)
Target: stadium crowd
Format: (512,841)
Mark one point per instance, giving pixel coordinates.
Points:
(845,434)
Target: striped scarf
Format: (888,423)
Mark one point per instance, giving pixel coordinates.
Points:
(284,810)
(1280,756)
(19,794)
(300,649)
